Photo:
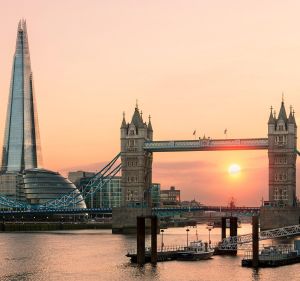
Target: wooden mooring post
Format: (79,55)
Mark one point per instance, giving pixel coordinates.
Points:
(154,240)
(233,232)
(141,240)
(140,243)
(223,225)
(255,242)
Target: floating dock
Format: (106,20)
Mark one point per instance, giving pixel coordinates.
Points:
(167,254)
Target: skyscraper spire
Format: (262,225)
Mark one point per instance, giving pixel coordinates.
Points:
(21,146)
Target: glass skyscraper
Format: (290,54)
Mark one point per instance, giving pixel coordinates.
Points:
(22,177)
(21,146)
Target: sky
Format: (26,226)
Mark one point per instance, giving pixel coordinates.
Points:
(193,65)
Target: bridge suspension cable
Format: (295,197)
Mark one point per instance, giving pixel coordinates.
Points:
(96,183)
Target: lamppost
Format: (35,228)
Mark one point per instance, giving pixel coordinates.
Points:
(187,237)
(162,239)
(209,228)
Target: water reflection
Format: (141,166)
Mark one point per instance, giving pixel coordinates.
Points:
(255,274)
(98,255)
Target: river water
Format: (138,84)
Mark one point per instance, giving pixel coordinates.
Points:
(99,255)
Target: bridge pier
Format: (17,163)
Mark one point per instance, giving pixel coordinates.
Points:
(124,219)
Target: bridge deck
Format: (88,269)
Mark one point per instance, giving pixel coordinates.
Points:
(207,145)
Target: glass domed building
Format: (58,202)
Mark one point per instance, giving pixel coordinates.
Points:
(37,186)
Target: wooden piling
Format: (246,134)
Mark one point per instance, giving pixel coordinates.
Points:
(255,242)
(140,229)
(223,233)
(153,240)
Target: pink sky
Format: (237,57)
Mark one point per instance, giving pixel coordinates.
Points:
(193,65)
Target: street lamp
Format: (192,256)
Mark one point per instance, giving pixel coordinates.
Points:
(209,227)
(162,239)
(187,237)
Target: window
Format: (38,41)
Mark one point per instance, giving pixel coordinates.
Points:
(131,142)
(281,176)
(281,160)
(281,140)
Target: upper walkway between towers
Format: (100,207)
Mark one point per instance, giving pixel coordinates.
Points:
(207,145)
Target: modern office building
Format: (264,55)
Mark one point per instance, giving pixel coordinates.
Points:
(22,177)
(170,197)
(110,195)
(21,146)
(155,194)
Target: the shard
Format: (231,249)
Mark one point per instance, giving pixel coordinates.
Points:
(22,177)
(21,146)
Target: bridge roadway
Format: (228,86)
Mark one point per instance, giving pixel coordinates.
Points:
(109,210)
(207,145)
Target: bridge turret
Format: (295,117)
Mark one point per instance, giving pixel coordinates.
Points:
(150,130)
(272,121)
(136,163)
(282,136)
(292,126)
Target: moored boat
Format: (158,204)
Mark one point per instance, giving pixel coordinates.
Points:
(197,250)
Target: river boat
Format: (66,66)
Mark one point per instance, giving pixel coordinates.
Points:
(197,250)
(271,256)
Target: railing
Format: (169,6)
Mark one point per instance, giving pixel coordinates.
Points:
(229,242)
(282,252)
(164,249)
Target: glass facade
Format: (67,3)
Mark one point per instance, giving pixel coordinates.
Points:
(155,194)
(21,146)
(21,177)
(110,195)
(40,186)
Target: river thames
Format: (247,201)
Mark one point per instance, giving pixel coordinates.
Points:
(99,255)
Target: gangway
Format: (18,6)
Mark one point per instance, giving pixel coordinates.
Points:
(230,243)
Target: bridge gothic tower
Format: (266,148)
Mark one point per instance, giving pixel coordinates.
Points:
(136,180)
(282,138)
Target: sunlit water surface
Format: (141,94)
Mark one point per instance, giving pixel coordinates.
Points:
(99,255)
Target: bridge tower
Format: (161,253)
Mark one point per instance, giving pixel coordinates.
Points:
(136,180)
(282,136)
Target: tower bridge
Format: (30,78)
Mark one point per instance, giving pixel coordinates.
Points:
(138,146)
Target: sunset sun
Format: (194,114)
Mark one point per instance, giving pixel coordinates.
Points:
(234,169)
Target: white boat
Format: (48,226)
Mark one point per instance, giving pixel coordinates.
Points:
(197,250)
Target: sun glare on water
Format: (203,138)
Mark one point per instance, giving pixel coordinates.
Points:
(234,169)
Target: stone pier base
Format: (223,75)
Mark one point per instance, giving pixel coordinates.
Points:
(124,219)
(273,217)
